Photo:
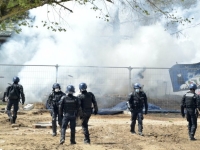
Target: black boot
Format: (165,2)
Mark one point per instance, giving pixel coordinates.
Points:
(72,139)
(54,128)
(133,127)
(62,137)
(14,119)
(192,137)
(14,116)
(140,128)
(87,139)
(140,133)
(192,133)
(10,118)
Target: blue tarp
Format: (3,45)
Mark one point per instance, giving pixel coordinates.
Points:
(183,74)
(119,108)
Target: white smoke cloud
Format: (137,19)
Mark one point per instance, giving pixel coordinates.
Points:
(91,42)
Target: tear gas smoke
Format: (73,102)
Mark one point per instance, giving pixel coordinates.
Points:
(93,42)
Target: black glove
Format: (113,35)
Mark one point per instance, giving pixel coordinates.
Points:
(82,115)
(145,112)
(22,103)
(131,109)
(95,112)
(183,115)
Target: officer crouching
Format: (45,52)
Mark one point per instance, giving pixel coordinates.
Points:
(190,103)
(69,106)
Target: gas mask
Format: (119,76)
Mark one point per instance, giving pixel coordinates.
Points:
(57,90)
(70,93)
(137,90)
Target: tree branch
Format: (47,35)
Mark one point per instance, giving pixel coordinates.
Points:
(17,9)
(58,3)
(157,8)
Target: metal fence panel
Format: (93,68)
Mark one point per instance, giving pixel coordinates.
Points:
(36,80)
(158,87)
(110,85)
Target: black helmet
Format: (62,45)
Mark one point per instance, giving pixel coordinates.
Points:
(82,86)
(56,85)
(137,86)
(70,89)
(16,79)
(193,86)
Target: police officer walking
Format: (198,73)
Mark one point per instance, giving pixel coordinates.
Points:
(137,100)
(53,101)
(69,107)
(190,102)
(13,93)
(87,99)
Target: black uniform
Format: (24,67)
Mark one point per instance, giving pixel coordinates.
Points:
(13,92)
(137,101)
(86,100)
(53,101)
(190,102)
(69,106)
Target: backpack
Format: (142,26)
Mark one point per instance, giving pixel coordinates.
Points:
(13,92)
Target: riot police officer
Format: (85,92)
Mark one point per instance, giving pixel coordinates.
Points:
(137,100)
(13,93)
(69,107)
(190,102)
(87,99)
(53,101)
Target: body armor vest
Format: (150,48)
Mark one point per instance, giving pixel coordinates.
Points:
(138,100)
(56,97)
(70,104)
(190,100)
(86,101)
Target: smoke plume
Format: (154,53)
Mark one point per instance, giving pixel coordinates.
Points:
(93,42)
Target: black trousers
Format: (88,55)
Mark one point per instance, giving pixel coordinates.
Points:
(66,120)
(192,120)
(54,115)
(85,121)
(15,103)
(137,114)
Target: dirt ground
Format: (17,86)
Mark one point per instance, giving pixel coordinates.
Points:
(161,132)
